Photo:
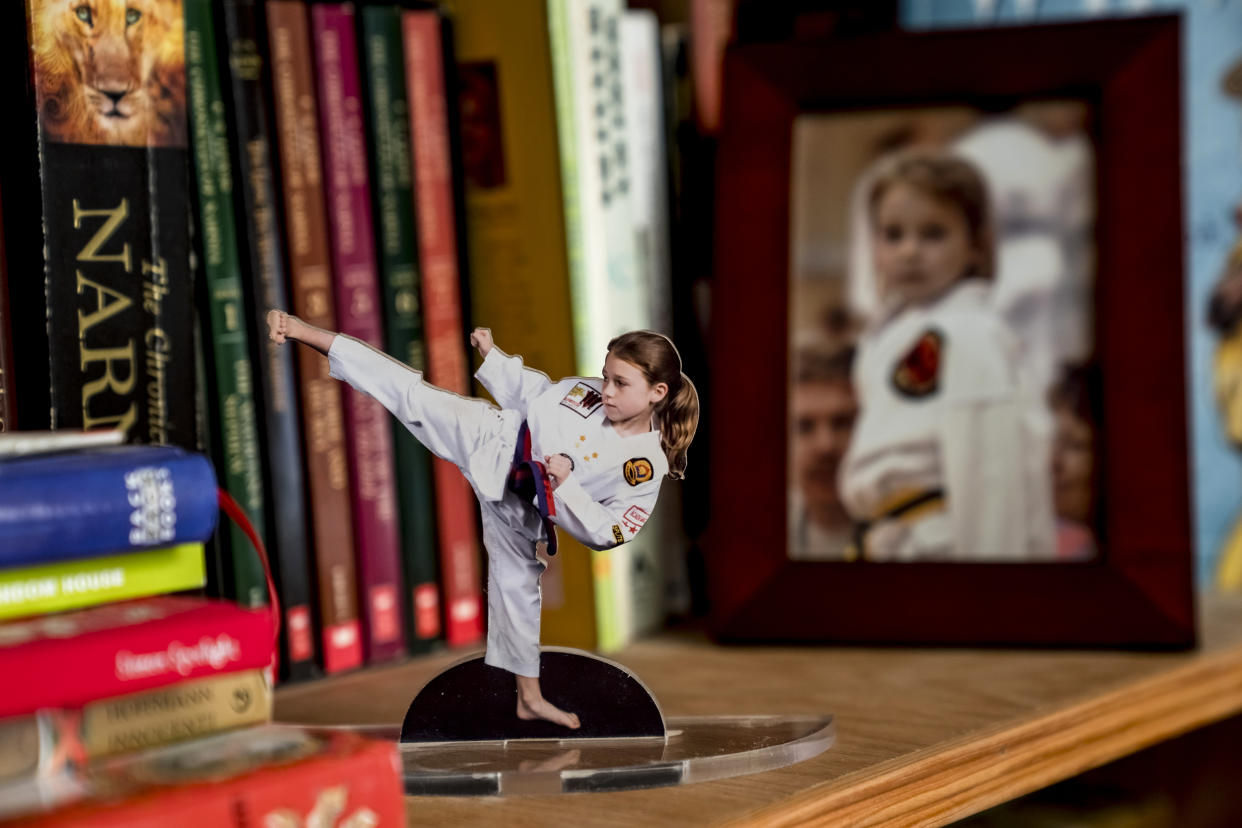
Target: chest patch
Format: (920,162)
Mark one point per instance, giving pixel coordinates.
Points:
(634,518)
(638,471)
(917,374)
(583,399)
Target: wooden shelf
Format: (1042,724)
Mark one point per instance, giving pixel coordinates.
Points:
(924,736)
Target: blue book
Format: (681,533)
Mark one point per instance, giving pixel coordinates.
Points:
(58,507)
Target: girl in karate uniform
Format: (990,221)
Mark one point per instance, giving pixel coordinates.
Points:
(949,459)
(583,454)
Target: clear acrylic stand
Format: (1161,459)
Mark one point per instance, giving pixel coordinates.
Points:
(461,737)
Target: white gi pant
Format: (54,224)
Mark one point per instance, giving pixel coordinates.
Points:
(479,439)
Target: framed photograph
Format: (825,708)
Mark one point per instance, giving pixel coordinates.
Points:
(948,332)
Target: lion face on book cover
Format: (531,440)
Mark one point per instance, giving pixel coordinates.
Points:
(110,71)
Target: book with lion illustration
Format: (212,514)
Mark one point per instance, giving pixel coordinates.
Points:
(107,82)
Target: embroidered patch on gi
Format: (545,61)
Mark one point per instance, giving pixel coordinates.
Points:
(616,534)
(638,471)
(917,374)
(634,518)
(583,399)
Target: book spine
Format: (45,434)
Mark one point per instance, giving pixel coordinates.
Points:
(570,613)
(389,133)
(75,584)
(446,359)
(237,446)
(184,711)
(116,245)
(306,236)
(64,507)
(369,433)
(281,428)
(215,638)
(8,409)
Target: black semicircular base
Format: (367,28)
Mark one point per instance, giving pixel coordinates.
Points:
(472,701)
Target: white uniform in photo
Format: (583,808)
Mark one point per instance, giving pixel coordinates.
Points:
(604,501)
(966,427)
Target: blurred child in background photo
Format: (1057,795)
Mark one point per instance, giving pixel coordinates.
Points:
(950,456)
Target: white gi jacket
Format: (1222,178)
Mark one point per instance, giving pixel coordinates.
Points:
(958,417)
(616,479)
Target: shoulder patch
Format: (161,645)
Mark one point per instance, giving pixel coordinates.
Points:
(917,374)
(617,534)
(638,470)
(583,399)
(634,518)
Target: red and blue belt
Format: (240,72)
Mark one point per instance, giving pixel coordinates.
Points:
(528,479)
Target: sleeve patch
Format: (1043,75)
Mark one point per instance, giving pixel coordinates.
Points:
(582,399)
(634,518)
(917,374)
(617,535)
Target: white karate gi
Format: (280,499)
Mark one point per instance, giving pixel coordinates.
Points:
(980,437)
(603,503)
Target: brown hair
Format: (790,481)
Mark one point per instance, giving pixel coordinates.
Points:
(677,415)
(948,179)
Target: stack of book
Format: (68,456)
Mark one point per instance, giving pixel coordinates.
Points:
(94,542)
(121,658)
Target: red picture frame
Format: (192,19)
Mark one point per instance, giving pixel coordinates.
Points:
(1139,592)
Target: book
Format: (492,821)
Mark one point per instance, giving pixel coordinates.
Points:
(133,722)
(177,713)
(659,548)
(368,430)
(246,102)
(517,232)
(77,504)
(114,317)
(607,292)
(269,775)
(310,275)
(67,585)
(19,443)
(231,395)
(128,647)
(8,411)
(456,516)
(607,287)
(388,121)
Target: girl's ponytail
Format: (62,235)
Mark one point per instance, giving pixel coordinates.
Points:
(678,417)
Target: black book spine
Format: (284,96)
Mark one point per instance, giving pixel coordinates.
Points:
(113,185)
(263,267)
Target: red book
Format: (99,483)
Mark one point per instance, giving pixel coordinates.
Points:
(360,307)
(73,658)
(310,269)
(442,319)
(261,776)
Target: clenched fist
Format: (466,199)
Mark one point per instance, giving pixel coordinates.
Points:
(559,469)
(481,338)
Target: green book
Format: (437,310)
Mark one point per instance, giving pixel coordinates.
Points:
(388,131)
(235,433)
(67,585)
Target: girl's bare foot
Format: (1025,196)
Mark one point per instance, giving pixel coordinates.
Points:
(532,705)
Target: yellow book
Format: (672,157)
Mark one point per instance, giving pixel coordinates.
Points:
(86,582)
(516,221)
